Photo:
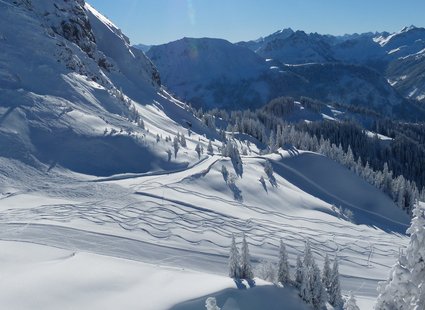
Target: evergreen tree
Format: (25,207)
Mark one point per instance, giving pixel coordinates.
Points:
(198,150)
(283,271)
(335,298)
(176,146)
(318,292)
(246,268)
(210,149)
(326,276)
(405,289)
(183,140)
(305,288)
(211,304)
(299,272)
(350,303)
(397,291)
(234,260)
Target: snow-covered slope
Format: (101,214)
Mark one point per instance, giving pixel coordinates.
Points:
(93,214)
(63,103)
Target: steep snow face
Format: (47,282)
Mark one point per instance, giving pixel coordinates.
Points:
(132,63)
(213,72)
(63,93)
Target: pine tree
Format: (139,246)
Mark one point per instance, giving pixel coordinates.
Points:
(326,275)
(318,292)
(405,289)
(176,146)
(210,149)
(283,271)
(211,304)
(183,140)
(305,288)
(198,150)
(350,303)
(397,292)
(335,298)
(299,272)
(234,260)
(246,268)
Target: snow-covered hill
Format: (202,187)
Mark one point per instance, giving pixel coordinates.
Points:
(97,213)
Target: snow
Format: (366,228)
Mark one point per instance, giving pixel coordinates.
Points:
(95,220)
(371,134)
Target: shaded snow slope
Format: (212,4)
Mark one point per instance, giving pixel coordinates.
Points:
(75,100)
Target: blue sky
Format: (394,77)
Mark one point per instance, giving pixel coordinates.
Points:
(161,21)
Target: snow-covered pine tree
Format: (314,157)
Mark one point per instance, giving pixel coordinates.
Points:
(210,149)
(198,150)
(234,260)
(176,146)
(335,298)
(246,268)
(307,274)
(308,255)
(211,304)
(168,154)
(326,275)
(283,271)
(405,289)
(318,292)
(299,272)
(397,292)
(350,303)
(183,140)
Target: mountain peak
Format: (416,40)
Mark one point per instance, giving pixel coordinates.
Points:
(408,28)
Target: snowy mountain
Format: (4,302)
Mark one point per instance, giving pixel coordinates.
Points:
(215,73)
(108,201)
(211,72)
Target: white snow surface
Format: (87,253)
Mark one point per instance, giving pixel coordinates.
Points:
(146,233)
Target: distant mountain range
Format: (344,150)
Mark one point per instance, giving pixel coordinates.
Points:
(381,71)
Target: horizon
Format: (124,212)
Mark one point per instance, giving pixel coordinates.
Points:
(196,19)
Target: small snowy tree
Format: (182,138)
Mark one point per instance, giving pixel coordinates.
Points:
(176,146)
(158,138)
(326,275)
(335,298)
(283,271)
(211,304)
(210,149)
(299,272)
(267,271)
(234,260)
(350,303)
(198,150)
(246,268)
(318,292)
(168,154)
(183,140)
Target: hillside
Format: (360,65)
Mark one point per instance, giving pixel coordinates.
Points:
(110,196)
